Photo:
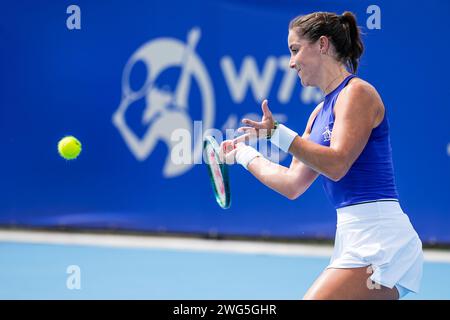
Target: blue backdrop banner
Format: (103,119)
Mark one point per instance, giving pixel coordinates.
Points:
(130,78)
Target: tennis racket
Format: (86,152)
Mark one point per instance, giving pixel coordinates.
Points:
(218,172)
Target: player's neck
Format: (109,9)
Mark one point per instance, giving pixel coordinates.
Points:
(333,78)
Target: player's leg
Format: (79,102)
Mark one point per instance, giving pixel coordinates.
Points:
(351,283)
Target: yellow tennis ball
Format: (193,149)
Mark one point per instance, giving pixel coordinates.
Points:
(69,147)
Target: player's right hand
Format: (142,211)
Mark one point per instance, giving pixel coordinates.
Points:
(229,150)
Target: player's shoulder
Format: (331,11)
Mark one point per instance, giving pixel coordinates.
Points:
(359,89)
(360,96)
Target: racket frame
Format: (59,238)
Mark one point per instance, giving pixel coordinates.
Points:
(224,204)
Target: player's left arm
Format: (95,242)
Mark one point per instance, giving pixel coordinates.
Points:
(357,111)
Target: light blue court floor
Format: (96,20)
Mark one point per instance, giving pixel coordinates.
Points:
(37,265)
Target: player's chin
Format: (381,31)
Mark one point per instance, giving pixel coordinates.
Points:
(304,82)
(303,79)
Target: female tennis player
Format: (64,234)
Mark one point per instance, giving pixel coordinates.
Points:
(377,252)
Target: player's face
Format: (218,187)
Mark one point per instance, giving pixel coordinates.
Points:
(305,58)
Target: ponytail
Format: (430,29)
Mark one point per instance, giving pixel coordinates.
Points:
(354,46)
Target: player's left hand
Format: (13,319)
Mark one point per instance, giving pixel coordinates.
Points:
(258,129)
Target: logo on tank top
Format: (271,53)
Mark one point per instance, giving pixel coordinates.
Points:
(327,134)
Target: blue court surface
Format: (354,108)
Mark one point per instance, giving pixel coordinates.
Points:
(38,265)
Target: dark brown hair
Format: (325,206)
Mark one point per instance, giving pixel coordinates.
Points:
(341,30)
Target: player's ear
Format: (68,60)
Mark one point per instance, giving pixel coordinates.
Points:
(324,44)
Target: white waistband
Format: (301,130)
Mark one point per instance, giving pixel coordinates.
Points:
(373,209)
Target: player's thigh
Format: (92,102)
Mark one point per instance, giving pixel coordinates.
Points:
(351,283)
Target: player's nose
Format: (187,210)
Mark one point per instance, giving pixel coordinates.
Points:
(291,63)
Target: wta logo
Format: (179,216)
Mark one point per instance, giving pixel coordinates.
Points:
(179,110)
(165,113)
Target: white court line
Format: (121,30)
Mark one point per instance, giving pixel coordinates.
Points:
(179,243)
(171,243)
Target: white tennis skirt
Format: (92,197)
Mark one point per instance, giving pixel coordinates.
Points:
(379,234)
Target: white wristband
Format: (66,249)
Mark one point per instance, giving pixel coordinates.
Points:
(245,155)
(282,137)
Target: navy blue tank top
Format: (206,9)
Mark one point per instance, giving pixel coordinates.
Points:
(371,177)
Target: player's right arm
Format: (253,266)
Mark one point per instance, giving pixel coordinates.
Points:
(291,182)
